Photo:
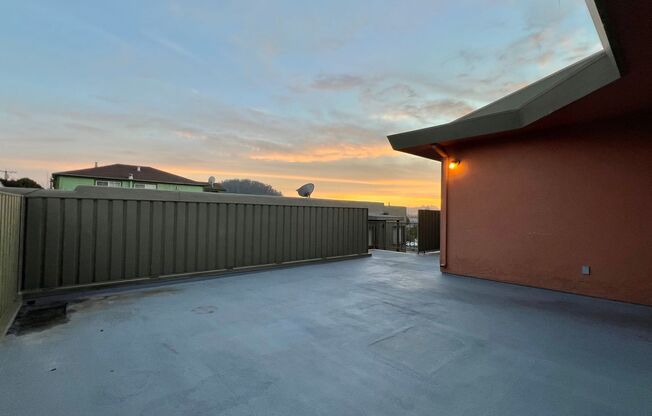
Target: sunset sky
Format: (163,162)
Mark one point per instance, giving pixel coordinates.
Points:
(284,92)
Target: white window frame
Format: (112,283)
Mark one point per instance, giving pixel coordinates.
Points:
(108,184)
(143,185)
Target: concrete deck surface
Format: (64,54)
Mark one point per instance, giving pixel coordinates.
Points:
(386,335)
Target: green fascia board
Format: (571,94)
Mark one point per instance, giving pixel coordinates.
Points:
(521,108)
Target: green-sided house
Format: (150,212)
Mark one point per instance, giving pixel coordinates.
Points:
(125,176)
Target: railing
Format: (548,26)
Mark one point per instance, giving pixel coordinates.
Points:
(103,236)
(412,237)
(10,220)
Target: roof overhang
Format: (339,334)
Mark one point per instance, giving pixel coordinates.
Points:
(522,107)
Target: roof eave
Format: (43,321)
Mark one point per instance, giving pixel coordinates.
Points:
(602,71)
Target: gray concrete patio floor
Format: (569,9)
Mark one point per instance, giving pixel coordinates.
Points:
(386,335)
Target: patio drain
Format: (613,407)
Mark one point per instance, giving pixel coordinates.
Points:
(33,318)
(204,310)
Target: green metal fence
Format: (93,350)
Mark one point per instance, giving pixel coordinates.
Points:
(98,236)
(10,221)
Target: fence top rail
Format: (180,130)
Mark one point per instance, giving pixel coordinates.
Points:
(93,192)
(6,192)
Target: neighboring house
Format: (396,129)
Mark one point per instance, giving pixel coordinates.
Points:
(125,176)
(552,186)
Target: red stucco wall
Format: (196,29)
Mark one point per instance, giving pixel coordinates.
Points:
(532,210)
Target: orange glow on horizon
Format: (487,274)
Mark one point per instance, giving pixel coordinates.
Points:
(402,191)
(194,174)
(396,199)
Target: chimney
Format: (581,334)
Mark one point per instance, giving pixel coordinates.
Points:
(131,176)
(138,168)
(95,164)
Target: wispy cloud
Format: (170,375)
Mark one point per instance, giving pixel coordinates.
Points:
(170,45)
(337,82)
(428,111)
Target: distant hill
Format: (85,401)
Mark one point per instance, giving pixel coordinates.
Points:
(247,186)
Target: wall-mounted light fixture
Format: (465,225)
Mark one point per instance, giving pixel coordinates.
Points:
(453,164)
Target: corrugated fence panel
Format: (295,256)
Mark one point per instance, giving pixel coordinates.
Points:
(74,240)
(144,239)
(256,235)
(86,242)
(103,242)
(202,232)
(157,241)
(10,243)
(70,242)
(264,234)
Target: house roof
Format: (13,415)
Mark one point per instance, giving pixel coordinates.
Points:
(122,172)
(599,86)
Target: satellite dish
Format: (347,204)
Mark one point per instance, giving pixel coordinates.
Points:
(306,190)
(211,181)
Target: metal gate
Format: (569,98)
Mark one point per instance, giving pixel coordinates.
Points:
(386,235)
(428,230)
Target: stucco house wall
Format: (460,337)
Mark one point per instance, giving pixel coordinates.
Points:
(535,209)
(557,175)
(69,183)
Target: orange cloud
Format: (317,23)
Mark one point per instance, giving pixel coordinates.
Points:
(189,134)
(328,153)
